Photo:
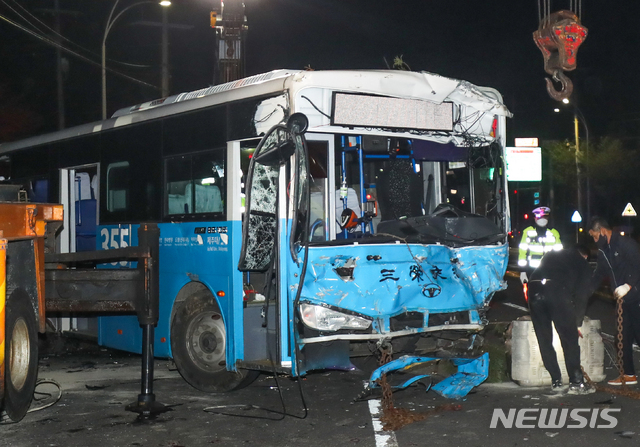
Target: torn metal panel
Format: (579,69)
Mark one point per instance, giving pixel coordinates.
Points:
(426,279)
(471,373)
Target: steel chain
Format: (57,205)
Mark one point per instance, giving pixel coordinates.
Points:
(619,336)
(385,357)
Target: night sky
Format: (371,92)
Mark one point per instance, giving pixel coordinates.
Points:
(488,43)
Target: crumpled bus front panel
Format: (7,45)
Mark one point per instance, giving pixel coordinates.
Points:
(382,281)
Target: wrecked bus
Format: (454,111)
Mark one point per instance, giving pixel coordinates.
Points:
(305,216)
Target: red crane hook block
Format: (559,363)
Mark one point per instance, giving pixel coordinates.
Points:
(558,37)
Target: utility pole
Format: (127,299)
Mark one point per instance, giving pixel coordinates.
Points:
(59,78)
(165,53)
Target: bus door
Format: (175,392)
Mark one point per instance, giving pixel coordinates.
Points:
(79,194)
(260,291)
(273,198)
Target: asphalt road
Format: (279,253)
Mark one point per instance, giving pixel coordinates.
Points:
(97,383)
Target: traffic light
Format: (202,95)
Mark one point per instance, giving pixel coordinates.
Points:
(526,216)
(536,198)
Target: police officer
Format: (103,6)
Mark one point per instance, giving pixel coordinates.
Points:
(536,242)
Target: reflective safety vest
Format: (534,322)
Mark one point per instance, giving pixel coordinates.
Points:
(533,247)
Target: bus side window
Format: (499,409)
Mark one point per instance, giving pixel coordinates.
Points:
(177,197)
(195,183)
(208,199)
(179,185)
(209,181)
(118,186)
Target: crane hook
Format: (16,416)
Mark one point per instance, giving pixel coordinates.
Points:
(558,37)
(565,91)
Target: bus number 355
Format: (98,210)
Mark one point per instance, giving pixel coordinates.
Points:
(115,237)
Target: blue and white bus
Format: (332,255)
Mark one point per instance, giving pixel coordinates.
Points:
(374,207)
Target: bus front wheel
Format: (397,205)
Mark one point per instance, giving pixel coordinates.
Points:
(21,355)
(198,343)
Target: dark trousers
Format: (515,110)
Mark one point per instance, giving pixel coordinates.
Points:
(630,332)
(549,303)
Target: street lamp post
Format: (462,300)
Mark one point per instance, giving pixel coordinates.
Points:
(578,169)
(165,54)
(110,22)
(577,115)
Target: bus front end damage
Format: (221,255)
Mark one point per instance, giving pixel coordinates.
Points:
(424,300)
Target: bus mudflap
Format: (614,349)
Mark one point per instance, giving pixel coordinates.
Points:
(471,373)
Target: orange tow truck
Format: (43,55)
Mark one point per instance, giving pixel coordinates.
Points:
(28,236)
(24,228)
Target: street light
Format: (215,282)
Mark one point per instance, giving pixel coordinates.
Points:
(577,114)
(110,22)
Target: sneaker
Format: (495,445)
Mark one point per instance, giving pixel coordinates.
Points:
(556,387)
(628,380)
(581,388)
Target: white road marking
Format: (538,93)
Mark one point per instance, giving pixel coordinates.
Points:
(515,306)
(383,438)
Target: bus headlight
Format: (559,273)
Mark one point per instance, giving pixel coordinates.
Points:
(324,319)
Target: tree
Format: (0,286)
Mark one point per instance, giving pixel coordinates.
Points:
(611,167)
(613,171)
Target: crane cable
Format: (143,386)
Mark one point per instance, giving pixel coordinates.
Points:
(544,10)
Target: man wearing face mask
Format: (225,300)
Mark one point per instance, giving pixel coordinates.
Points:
(536,242)
(619,258)
(559,291)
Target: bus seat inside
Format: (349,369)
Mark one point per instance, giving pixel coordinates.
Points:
(86,225)
(83,186)
(39,192)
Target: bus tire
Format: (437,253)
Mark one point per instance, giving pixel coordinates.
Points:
(198,344)
(21,355)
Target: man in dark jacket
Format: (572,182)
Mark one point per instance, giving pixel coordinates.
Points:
(619,258)
(559,290)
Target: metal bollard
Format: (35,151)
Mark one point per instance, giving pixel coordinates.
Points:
(3,298)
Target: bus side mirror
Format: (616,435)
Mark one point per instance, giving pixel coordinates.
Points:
(298,123)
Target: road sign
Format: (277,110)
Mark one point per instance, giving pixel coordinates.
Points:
(576,217)
(524,164)
(526,142)
(629,211)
